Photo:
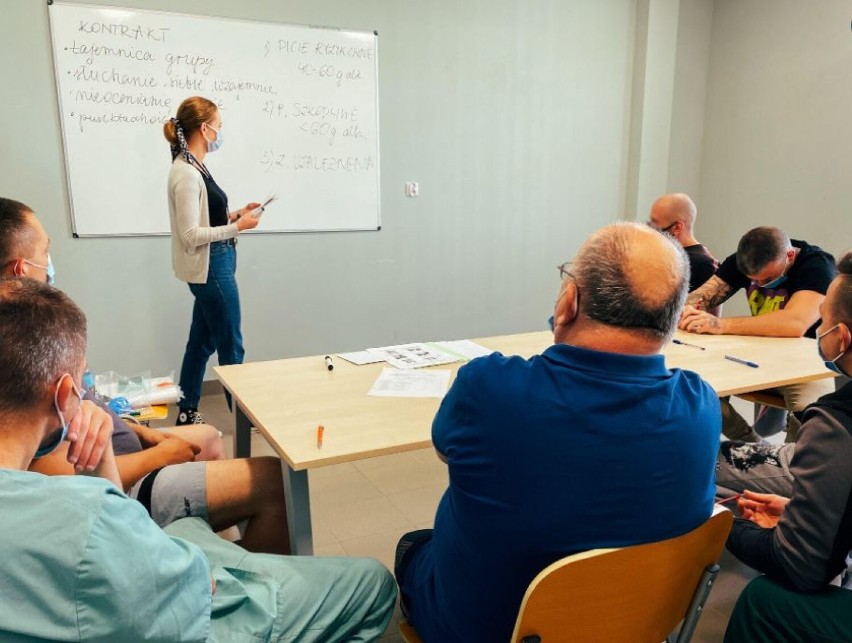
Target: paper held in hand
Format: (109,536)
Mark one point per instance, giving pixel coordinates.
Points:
(258,211)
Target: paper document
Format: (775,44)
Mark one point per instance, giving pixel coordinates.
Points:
(465,348)
(414,355)
(361,357)
(393,382)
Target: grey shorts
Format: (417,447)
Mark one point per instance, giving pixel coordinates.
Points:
(764,468)
(173,492)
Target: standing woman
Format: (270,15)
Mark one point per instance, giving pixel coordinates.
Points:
(204,252)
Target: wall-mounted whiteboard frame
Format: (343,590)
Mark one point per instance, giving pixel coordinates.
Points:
(299,105)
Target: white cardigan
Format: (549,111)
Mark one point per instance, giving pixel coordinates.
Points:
(189,215)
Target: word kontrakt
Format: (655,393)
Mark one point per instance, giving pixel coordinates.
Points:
(133,32)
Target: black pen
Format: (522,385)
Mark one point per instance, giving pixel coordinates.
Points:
(683,343)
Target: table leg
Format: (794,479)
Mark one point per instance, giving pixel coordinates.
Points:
(242,434)
(297,497)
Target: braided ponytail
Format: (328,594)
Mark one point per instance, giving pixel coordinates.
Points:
(181,145)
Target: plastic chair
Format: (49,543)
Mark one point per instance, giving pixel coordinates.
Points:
(634,594)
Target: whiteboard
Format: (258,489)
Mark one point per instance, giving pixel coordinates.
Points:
(299,107)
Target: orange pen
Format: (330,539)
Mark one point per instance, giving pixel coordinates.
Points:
(320,431)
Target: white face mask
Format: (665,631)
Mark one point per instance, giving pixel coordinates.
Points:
(48,269)
(45,449)
(216,143)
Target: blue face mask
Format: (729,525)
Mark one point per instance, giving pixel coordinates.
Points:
(830,364)
(775,282)
(49,269)
(780,279)
(46,449)
(214,145)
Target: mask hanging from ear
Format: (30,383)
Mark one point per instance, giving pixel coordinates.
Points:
(48,269)
(46,449)
(830,364)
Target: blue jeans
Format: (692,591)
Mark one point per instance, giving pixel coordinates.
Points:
(215,323)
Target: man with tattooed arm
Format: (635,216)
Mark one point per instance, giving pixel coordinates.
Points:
(785,283)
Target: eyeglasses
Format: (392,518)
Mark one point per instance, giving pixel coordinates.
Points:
(653,225)
(565,270)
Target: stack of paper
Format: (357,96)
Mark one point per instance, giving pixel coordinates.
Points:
(402,381)
(422,354)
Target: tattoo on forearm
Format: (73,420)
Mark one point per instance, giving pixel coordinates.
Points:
(713,293)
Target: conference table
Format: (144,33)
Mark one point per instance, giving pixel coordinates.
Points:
(287,399)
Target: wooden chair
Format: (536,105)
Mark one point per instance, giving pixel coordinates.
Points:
(631,594)
(408,633)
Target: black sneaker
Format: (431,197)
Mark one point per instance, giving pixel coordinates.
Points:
(189,416)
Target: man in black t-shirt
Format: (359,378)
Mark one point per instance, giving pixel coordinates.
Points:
(785,283)
(675,214)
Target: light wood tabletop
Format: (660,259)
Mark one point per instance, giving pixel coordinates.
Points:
(286,400)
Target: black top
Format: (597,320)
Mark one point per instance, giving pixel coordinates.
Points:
(702,265)
(217,201)
(813,269)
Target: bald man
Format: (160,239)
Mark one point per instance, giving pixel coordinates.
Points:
(590,444)
(675,214)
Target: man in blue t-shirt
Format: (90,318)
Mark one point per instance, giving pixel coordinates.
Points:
(587,445)
(785,284)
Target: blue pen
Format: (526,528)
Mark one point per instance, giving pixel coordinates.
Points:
(683,343)
(741,361)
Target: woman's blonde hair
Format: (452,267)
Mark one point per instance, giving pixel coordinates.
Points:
(191,114)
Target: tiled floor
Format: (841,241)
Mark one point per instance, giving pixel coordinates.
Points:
(362,508)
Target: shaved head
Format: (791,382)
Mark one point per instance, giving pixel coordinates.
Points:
(632,277)
(841,305)
(671,208)
(18,233)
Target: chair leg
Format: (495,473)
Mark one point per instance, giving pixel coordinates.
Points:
(697,604)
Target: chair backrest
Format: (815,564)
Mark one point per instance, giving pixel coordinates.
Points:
(631,594)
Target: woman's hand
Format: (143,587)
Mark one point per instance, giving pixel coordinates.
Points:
(244,211)
(244,217)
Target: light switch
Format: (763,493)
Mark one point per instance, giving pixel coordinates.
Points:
(412,189)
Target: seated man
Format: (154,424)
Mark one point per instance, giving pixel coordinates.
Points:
(81,561)
(801,542)
(587,445)
(675,215)
(785,283)
(160,469)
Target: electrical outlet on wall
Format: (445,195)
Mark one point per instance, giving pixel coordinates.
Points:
(412,189)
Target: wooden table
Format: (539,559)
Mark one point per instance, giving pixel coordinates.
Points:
(287,399)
